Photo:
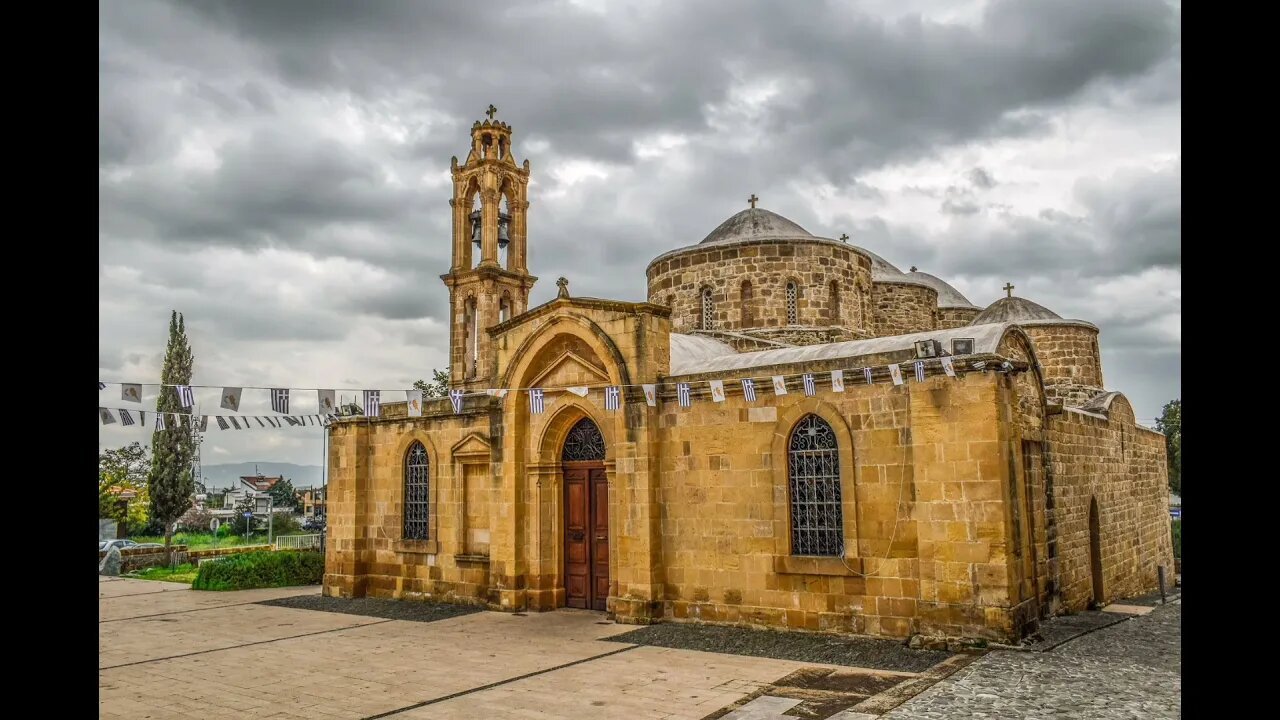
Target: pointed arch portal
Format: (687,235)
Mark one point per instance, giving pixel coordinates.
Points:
(586,517)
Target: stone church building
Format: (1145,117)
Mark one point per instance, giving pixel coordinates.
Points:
(971,505)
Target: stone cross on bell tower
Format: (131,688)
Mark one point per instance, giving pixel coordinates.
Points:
(488,280)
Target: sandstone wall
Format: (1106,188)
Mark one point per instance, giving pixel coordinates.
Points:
(954,317)
(1071,361)
(902,308)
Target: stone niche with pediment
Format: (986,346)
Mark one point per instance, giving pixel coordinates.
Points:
(472,459)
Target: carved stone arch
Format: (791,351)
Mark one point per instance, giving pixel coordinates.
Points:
(788,418)
(518,370)
(563,419)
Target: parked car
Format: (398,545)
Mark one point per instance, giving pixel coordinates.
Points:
(121,543)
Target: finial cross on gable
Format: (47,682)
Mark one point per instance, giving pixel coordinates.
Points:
(753,199)
(1008,287)
(491,111)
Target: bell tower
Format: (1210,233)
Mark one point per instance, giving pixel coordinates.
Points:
(489,279)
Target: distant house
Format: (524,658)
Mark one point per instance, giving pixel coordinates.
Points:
(254,486)
(313,502)
(259,482)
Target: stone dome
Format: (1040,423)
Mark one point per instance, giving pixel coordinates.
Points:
(948,297)
(1014,310)
(882,269)
(756,224)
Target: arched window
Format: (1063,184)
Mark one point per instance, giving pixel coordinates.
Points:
(813,473)
(472,345)
(417,495)
(583,443)
(833,303)
(708,310)
(793,311)
(504,308)
(745,300)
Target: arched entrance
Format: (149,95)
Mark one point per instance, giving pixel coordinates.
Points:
(586,517)
(1095,551)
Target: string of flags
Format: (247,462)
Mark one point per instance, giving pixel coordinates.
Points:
(372,399)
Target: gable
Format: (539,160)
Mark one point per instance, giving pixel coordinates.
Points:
(570,368)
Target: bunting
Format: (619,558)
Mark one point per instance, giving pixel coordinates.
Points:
(612,397)
(682,394)
(919,371)
(837,381)
(455,397)
(779,385)
(413,400)
(280,400)
(131,392)
(948,366)
(895,372)
(749,389)
(717,390)
(372,403)
(810,387)
(125,418)
(535,401)
(650,395)
(186,397)
(326,401)
(105,415)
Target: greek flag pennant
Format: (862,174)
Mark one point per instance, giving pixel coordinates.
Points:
(222,422)
(612,397)
(866,373)
(779,385)
(231,399)
(131,392)
(579,390)
(125,418)
(159,421)
(682,394)
(372,403)
(236,423)
(327,402)
(186,397)
(895,372)
(749,389)
(650,395)
(105,415)
(413,400)
(102,386)
(717,390)
(535,401)
(837,381)
(948,366)
(280,400)
(919,371)
(258,418)
(810,388)
(455,398)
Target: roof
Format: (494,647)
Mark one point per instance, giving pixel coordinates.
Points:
(260,483)
(690,359)
(884,271)
(948,297)
(756,224)
(1023,312)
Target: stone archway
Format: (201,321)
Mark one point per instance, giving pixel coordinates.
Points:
(1095,552)
(586,517)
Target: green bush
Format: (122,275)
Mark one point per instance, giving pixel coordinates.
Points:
(1177,538)
(262,569)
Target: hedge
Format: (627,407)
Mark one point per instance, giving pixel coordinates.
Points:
(260,570)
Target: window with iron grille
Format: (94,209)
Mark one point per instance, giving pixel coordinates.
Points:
(584,442)
(813,473)
(793,312)
(417,497)
(708,311)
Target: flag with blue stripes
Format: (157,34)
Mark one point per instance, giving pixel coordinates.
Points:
(125,417)
(185,396)
(866,373)
(749,389)
(919,371)
(535,401)
(280,400)
(372,403)
(236,424)
(159,421)
(258,418)
(455,397)
(682,394)
(612,397)
(222,422)
(102,386)
(810,388)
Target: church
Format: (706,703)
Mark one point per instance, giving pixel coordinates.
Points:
(791,432)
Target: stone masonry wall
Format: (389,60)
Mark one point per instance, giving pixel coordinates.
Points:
(1122,467)
(677,280)
(954,317)
(1070,360)
(901,308)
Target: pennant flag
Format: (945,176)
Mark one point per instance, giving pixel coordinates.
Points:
(159,421)
(231,399)
(125,417)
(919,371)
(895,372)
(259,419)
(414,402)
(131,392)
(866,373)
(717,390)
(749,389)
(535,401)
(142,417)
(222,423)
(372,403)
(612,397)
(328,406)
(102,386)
(498,393)
(837,381)
(106,416)
(455,397)
(280,400)
(810,388)
(204,423)
(579,390)
(236,424)
(186,397)
(682,393)
(650,395)
(779,385)
(948,366)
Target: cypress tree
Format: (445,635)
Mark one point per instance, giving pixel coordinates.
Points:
(170,483)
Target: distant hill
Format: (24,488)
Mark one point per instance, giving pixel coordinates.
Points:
(228,474)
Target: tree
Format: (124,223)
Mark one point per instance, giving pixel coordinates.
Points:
(121,470)
(1170,423)
(283,495)
(170,483)
(438,387)
(239,523)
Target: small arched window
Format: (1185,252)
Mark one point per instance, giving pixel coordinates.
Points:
(813,474)
(745,300)
(793,310)
(708,311)
(833,303)
(504,308)
(417,493)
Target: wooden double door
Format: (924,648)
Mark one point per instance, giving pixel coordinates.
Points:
(586,535)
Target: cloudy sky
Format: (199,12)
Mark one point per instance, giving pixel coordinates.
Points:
(279,171)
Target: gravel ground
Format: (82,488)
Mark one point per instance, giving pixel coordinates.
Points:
(805,647)
(415,610)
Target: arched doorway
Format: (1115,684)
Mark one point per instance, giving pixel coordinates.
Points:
(1095,552)
(586,517)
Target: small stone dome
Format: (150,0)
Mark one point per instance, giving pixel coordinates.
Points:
(948,297)
(882,269)
(1014,310)
(756,224)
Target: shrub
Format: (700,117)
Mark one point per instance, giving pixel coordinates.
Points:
(285,523)
(260,570)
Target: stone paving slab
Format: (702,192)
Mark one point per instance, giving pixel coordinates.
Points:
(156,597)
